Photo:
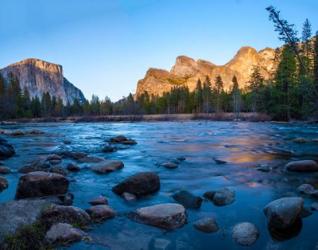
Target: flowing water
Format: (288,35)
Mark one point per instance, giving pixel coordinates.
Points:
(243,146)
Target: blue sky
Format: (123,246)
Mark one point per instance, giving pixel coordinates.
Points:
(106,46)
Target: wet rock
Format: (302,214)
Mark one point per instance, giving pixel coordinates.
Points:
(140,184)
(206,225)
(122,140)
(100,212)
(19,213)
(67,142)
(4,170)
(187,199)
(284,212)
(54,159)
(63,234)
(222,197)
(300,140)
(6,150)
(72,155)
(306,189)
(58,170)
(90,159)
(314,194)
(17,133)
(128,196)
(37,184)
(64,214)
(100,200)
(181,158)
(314,206)
(3,184)
(66,199)
(245,233)
(264,168)
(305,212)
(107,166)
(219,162)
(73,167)
(160,244)
(108,149)
(167,216)
(302,166)
(169,165)
(36,165)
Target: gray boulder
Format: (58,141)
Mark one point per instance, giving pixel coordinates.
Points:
(100,212)
(107,166)
(100,200)
(206,225)
(3,184)
(38,184)
(4,170)
(167,216)
(169,165)
(284,212)
(187,199)
(63,234)
(120,139)
(306,189)
(6,150)
(73,167)
(245,233)
(222,197)
(302,166)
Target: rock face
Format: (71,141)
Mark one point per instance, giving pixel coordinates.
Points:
(139,184)
(37,184)
(284,212)
(187,71)
(39,77)
(167,216)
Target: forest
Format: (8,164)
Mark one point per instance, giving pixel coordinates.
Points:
(291,93)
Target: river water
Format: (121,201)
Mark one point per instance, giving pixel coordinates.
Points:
(243,146)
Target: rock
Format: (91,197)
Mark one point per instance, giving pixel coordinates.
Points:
(6,150)
(169,165)
(66,199)
(206,225)
(299,140)
(181,158)
(264,168)
(108,149)
(314,206)
(4,170)
(63,234)
(73,155)
(219,162)
(222,197)
(19,213)
(37,184)
(107,166)
(284,212)
(100,200)
(129,196)
(314,194)
(302,166)
(58,170)
(122,140)
(306,189)
(187,199)
(36,165)
(90,159)
(101,212)
(140,184)
(245,233)
(54,159)
(72,167)
(160,244)
(64,214)
(167,216)
(305,212)
(67,142)
(3,184)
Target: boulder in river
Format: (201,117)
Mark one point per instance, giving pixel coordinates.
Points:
(63,234)
(169,165)
(107,166)
(73,167)
(140,184)
(90,159)
(54,159)
(108,149)
(3,184)
(64,214)
(58,170)
(167,216)
(284,212)
(306,189)
(128,196)
(75,155)
(206,225)
(37,184)
(6,150)
(101,212)
(302,166)
(4,170)
(100,200)
(120,139)
(36,165)
(245,233)
(187,199)
(222,197)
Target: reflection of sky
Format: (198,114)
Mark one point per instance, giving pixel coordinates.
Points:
(107,46)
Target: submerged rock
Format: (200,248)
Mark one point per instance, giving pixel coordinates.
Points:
(187,199)
(37,184)
(64,214)
(302,166)
(167,216)
(100,200)
(58,170)
(36,165)
(54,159)
(128,196)
(6,150)
(109,149)
(4,184)
(306,189)
(169,165)
(284,212)
(101,212)
(140,184)
(206,225)
(72,154)
(122,140)
(107,166)
(90,159)
(73,167)
(222,197)
(4,170)
(63,234)
(245,233)
(314,206)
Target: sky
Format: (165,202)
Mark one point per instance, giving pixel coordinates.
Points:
(106,46)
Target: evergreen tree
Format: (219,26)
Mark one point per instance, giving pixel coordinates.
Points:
(236,95)
(218,92)
(198,98)
(207,95)
(46,105)
(36,107)
(256,85)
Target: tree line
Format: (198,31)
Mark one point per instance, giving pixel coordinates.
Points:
(292,92)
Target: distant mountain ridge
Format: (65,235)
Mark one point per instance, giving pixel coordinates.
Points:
(39,77)
(187,71)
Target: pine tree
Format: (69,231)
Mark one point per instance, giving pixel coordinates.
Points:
(218,91)
(206,95)
(256,84)
(236,95)
(198,99)
(36,107)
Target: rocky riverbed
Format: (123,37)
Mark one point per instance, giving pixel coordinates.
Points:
(169,185)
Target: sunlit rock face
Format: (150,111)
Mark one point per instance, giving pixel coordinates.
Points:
(40,77)
(187,71)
